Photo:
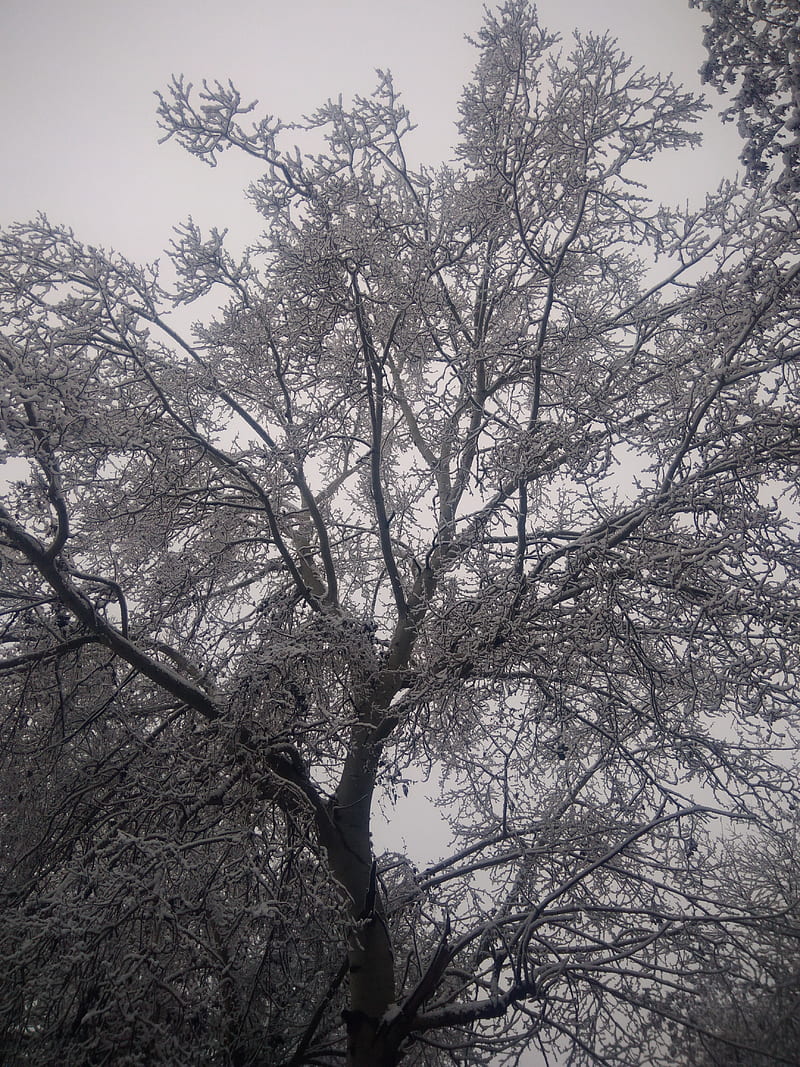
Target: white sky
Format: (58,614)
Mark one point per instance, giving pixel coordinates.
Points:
(79,136)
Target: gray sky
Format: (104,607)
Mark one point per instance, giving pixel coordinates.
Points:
(79,135)
(80,140)
(78,127)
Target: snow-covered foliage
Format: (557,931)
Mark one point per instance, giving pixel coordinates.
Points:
(754,47)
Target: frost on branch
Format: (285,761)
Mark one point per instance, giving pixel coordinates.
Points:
(209,126)
(754,46)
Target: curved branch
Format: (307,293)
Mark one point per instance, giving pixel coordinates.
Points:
(295,473)
(374,378)
(108,635)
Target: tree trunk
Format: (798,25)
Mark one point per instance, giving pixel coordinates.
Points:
(368,1045)
(371,992)
(370,954)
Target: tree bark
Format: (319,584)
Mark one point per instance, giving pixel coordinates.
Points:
(370,954)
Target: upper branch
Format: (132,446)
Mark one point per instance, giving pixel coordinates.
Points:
(375,394)
(294,472)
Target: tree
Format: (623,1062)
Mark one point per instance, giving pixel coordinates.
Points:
(755,45)
(487,472)
(757,996)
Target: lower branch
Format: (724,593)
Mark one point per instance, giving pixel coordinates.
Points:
(463,1014)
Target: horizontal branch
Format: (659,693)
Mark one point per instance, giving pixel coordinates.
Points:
(462,1014)
(14,663)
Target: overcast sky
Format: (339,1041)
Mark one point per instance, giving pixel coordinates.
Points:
(79,135)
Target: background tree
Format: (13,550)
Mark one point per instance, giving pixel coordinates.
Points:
(455,482)
(755,997)
(755,46)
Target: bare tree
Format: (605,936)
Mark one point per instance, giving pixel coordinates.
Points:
(487,472)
